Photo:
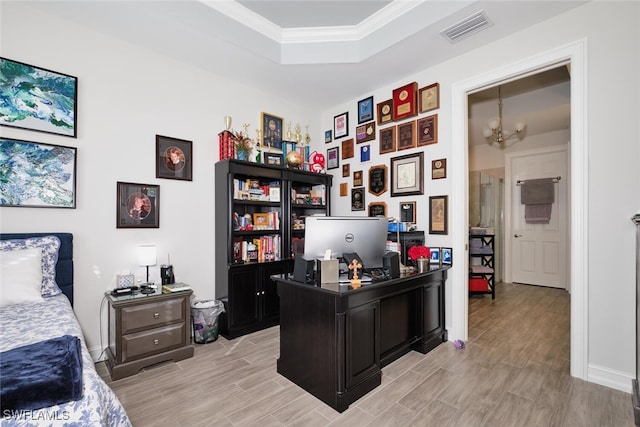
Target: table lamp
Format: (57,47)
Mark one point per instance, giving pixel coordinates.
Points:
(147,257)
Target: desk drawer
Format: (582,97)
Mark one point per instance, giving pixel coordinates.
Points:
(145,316)
(154,341)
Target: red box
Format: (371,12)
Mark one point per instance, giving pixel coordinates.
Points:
(478,284)
(227,145)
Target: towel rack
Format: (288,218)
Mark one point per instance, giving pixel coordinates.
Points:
(520,182)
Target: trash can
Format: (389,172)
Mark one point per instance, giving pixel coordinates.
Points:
(204,316)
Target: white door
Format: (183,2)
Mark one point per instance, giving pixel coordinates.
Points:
(539,251)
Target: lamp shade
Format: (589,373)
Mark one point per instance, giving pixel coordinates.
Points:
(146,255)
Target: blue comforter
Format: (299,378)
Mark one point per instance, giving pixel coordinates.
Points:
(43,374)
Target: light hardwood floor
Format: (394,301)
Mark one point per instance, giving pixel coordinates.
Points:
(514,371)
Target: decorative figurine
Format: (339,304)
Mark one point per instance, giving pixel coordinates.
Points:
(355,281)
(316,162)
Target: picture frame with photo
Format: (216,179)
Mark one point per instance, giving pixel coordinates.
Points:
(137,205)
(332,158)
(327,136)
(38,99)
(407,175)
(38,175)
(438,215)
(174,158)
(271,135)
(435,256)
(341,125)
(447,256)
(274,159)
(365,110)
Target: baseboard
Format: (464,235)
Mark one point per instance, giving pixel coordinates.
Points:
(610,378)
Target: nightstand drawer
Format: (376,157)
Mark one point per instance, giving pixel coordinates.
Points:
(154,341)
(144,316)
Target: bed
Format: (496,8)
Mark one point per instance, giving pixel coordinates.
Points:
(39,327)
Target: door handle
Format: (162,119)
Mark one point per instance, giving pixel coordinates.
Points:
(517,235)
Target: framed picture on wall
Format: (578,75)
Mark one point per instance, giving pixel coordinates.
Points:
(357,199)
(385,112)
(174,158)
(408,212)
(137,205)
(438,215)
(365,110)
(271,130)
(332,158)
(429,97)
(407,175)
(388,140)
(341,125)
(428,130)
(446,256)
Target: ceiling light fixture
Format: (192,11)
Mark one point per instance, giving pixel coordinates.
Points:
(496,135)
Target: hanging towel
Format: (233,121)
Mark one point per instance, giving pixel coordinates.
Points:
(538,196)
(537,191)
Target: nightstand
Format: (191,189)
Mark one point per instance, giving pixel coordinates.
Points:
(147,329)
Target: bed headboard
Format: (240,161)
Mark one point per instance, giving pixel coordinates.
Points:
(64,266)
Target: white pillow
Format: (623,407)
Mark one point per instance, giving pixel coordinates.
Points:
(20,276)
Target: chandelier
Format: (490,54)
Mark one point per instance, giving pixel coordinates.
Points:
(498,136)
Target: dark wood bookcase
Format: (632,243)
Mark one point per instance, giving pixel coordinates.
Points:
(244,286)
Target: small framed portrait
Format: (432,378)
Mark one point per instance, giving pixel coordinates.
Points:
(137,205)
(357,199)
(388,140)
(332,158)
(365,110)
(272,158)
(428,130)
(377,209)
(327,136)
(341,125)
(429,98)
(435,256)
(345,170)
(438,222)
(271,130)
(408,212)
(357,178)
(260,220)
(174,158)
(447,256)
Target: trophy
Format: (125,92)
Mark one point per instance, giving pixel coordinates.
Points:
(297,132)
(227,122)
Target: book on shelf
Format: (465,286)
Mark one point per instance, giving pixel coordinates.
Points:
(175,287)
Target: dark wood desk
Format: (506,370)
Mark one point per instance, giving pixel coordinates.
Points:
(335,340)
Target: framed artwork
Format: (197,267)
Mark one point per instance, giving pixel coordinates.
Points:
(385,109)
(345,170)
(357,199)
(407,135)
(38,99)
(260,220)
(408,212)
(341,125)
(446,256)
(405,101)
(344,189)
(428,130)
(357,178)
(378,179)
(366,132)
(174,158)
(271,130)
(137,205)
(332,158)
(327,136)
(438,215)
(435,256)
(429,98)
(388,140)
(377,209)
(347,148)
(37,175)
(365,110)
(406,175)
(365,153)
(272,158)
(439,169)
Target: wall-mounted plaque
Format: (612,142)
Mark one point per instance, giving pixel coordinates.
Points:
(378,179)
(357,199)
(377,208)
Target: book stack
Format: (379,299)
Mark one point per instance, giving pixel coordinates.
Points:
(175,287)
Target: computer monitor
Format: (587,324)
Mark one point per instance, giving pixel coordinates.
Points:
(367,236)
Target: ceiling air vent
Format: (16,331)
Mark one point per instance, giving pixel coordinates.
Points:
(471,25)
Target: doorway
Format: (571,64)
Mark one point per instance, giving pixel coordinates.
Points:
(572,54)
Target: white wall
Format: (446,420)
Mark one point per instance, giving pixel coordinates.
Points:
(126,97)
(612,139)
